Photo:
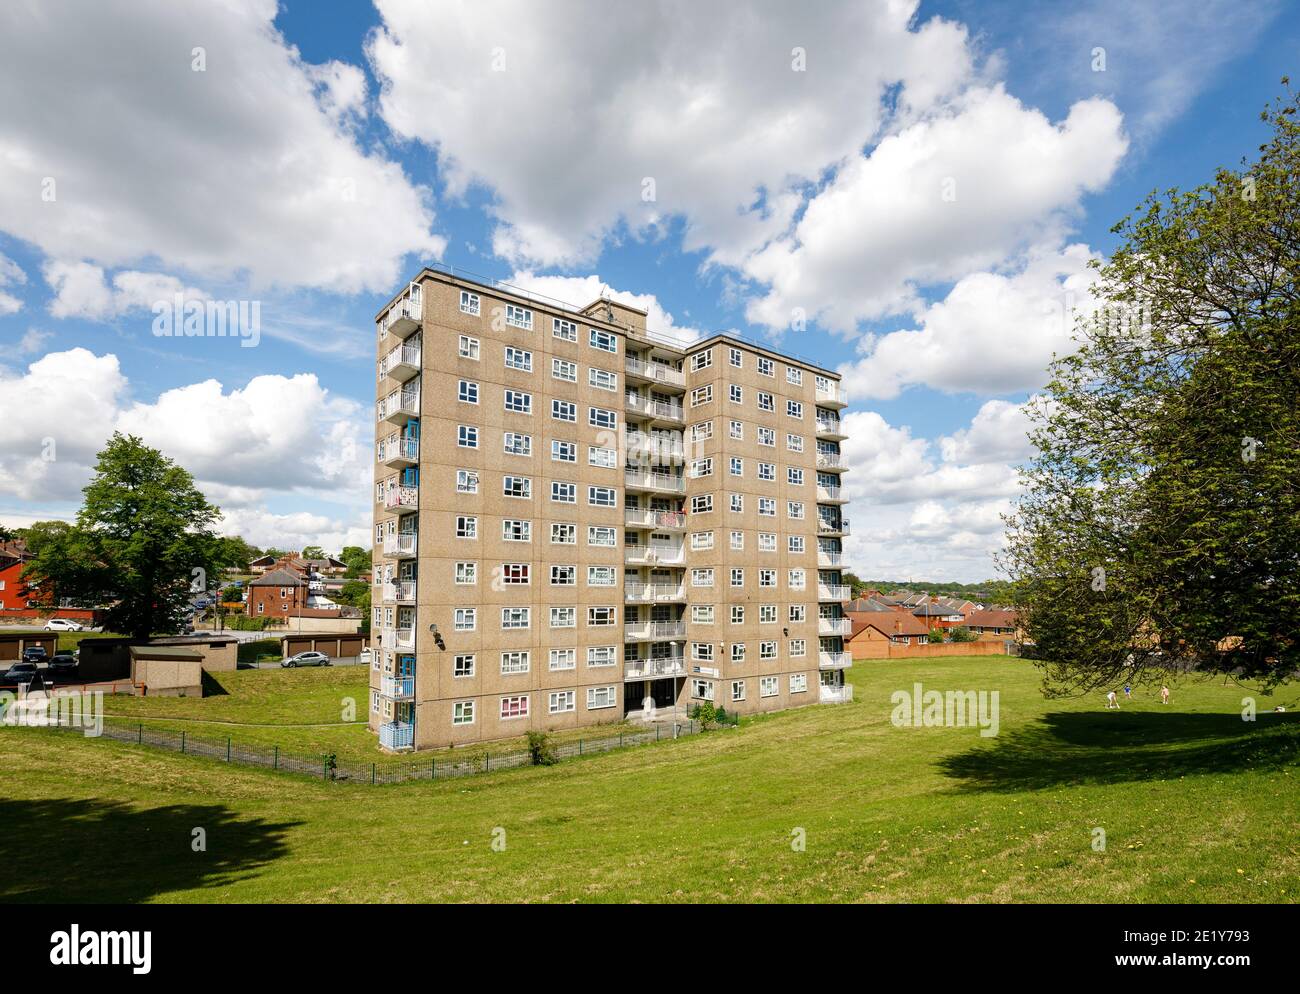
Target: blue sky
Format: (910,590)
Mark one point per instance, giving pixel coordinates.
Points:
(925,190)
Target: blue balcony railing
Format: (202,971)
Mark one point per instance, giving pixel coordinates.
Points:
(397,735)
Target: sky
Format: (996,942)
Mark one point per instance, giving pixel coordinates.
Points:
(909,193)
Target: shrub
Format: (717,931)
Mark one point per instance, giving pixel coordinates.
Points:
(540,749)
(705,713)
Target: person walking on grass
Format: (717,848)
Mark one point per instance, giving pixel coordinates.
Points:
(1112,701)
(1128,691)
(1164,695)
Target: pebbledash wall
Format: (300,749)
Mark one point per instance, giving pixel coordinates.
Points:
(577,521)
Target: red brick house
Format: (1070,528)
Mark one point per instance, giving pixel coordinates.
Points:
(283,593)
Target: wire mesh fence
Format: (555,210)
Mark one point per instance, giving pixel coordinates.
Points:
(329,767)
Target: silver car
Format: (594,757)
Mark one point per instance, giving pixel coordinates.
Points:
(310,658)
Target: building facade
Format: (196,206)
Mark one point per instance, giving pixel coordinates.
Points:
(577,521)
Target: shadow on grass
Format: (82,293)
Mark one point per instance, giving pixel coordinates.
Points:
(212,686)
(1070,749)
(90,851)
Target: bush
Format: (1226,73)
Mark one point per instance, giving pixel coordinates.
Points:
(705,713)
(540,749)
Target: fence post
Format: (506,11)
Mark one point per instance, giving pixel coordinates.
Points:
(656,733)
(139,734)
(433,768)
(182,741)
(275,762)
(372,773)
(487,762)
(227,748)
(620,740)
(579,747)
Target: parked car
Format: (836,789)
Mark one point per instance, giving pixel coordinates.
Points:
(35,654)
(310,658)
(62,667)
(20,673)
(63,625)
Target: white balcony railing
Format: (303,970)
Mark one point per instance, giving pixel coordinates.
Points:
(655,554)
(402,497)
(402,362)
(653,592)
(400,449)
(829,426)
(403,318)
(834,626)
(834,660)
(828,493)
(832,394)
(654,481)
(399,404)
(639,517)
(655,448)
(401,592)
(830,460)
(829,558)
(401,544)
(833,527)
(399,688)
(654,669)
(833,591)
(837,695)
(662,409)
(645,631)
(397,735)
(656,371)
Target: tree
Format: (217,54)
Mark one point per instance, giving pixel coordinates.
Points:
(357,559)
(238,552)
(1161,522)
(313,552)
(142,544)
(352,592)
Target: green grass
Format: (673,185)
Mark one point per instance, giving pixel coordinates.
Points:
(70,640)
(1197,806)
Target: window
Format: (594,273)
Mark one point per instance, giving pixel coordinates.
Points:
(602,535)
(467,436)
(514,707)
(601,697)
(602,496)
(737,503)
(796,544)
(564,659)
(463,665)
(562,369)
(794,376)
(701,431)
(737,540)
(737,614)
(766,367)
(517,486)
(702,690)
(737,652)
(516,530)
(701,578)
(768,686)
(737,690)
(516,574)
(794,408)
(566,330)
(469,302)
(798,613)
(794,476)
(737,576)
(736,466)
(465,619)
(702,651)
(767,436)
(462,713)
(767,614)
(466,573)
(515,444)
(564,576)
(563,410)
(798,683)
(564,493)
(797,579)
(701,541)
(519,317)
(601,576)
(519,402)
(702,504)
(701,614)
(766,541)
(736,358)
(466,481)
(767,471)
(564,451)
(468,348)
(602,379)
(798,648)
(514,662)
(564,617)
(702,360)
(702,395)
(602,655)
(767,650)
(562,702)
(606,341)
(467,392)
(599,617)
(735,393)
(766,402)
(519,359)
(701,467)
(794,443)
(515,617)
(563,533)
(602,457)
(599,417)
(794,509)
(466,527)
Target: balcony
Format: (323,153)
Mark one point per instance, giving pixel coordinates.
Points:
(654,372)
(653,448)
(831,559)
(402,363)
(654,669)
(398,406)
(636,479)
(400,452)
(398,688)
(400,546)
(399,735)
(837,695)
(840,527)
(662,411)
(835,626)
(636,517)
(653,631)
(830,428)
(833,395)
(403,318)
(653,593)
(399,497)
(831,461)
(834,660)
(833,592)
(654,555)
(402,592)
(397,638)
(831,495)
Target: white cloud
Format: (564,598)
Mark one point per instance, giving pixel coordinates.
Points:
(81,291)
(245,171)
(10,274)
(593,98)
(580,291)
(33,341)
(950,195)
(274,438)
(997,433)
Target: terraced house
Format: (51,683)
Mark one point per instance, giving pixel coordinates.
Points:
(579,521)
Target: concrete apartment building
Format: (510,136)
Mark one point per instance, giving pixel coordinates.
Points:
(578,521)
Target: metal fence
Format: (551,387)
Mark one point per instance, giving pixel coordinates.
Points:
(328,767)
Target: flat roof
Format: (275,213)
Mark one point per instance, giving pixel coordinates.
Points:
(182,652)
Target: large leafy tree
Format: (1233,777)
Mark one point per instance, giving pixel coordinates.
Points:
(142,543)
(1161,523)
(357,558)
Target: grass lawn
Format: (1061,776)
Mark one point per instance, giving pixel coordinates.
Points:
(1196,804)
